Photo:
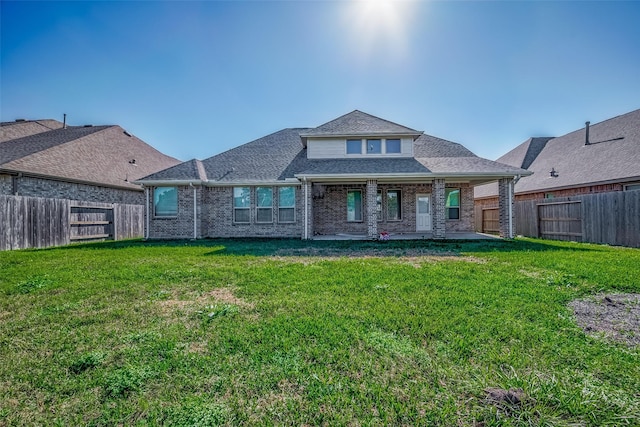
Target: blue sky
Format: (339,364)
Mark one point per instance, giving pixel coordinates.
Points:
(195,78)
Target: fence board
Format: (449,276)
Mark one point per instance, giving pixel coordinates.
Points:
(610,218)
(35,222)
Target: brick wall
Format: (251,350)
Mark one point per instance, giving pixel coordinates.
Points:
(330,209)
(42,187)
(178,227)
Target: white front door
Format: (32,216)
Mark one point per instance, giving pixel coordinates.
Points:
(423,212)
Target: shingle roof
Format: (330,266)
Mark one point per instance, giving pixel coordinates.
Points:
(359,123)
(613,155)
(100,155)
(22,128)
(282,155)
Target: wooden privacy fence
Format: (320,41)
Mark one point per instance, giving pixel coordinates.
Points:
(35,222)
(610,218)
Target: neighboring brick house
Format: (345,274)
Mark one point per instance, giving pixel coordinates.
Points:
(355,175)
(46,158)
(597,158)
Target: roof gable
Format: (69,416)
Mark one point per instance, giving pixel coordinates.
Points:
(357,123)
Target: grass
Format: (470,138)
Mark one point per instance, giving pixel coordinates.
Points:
(324,333)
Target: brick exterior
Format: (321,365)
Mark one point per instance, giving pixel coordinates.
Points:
(307,191)
(505,209)
(371,211)
(439,212)
(327,209)
(214,216)
(42,187)
(330,209)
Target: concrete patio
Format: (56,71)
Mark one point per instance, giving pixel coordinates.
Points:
(410,236)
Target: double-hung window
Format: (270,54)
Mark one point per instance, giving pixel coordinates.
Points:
(264,209)
(286,204)
(394,205)
(165,201)
(452,203)
(379,205)
(241,205)
(354,205)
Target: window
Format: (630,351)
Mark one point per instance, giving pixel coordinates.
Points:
(165,201)
(394,205)
(379,204)
(286,204)
(354,205)
(374,146)
(631,187)
(452,203)
(241,204)
(393,146)
(354,146)
(264,211)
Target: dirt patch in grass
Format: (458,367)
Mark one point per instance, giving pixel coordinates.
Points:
(218,295)
(616,316)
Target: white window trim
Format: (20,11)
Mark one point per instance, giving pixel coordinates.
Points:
(233,201)
(399,204)
(155,215)
(361,205)
(287,207)
(364,152)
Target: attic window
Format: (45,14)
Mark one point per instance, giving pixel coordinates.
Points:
(354,146)
(374,146)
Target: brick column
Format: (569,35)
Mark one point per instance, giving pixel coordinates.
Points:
(372,209)
(307,211)
(505,209)
(439,213)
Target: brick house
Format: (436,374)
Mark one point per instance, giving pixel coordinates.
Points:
(598,158)
(46,158)
(357,175)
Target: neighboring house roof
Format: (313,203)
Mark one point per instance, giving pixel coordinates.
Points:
(357,123)
(613,155)
(22,128)
(282,156)
(100,155)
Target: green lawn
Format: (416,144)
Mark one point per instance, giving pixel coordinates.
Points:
(323,333)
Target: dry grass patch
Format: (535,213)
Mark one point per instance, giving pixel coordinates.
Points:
(217,295)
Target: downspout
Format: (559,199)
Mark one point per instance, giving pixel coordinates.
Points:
(512,188)
(195,212)
(146,211)
(306,209)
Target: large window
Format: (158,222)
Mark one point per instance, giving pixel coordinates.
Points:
(394,205)
(165,201)
(354,146)
(286,204)
(354,205)
(241,204)
(374,146)
(393,146)
(264,210)
(452,203)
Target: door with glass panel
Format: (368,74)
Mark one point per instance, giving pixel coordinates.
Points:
(423,212)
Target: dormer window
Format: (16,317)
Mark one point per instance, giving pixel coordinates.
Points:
(393,146)
(374,146)
(354,146)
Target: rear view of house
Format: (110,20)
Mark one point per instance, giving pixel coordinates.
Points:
(358,175)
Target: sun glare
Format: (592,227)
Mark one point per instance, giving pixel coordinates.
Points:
(380,25)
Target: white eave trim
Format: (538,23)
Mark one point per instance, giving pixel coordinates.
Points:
(465,175)
(160,183)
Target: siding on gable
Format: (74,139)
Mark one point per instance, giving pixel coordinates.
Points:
(336,149)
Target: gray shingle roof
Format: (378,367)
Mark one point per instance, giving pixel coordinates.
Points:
(99,155)
(613,155)
(359,123)
(282,155)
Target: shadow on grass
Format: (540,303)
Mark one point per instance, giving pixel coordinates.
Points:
(297,247)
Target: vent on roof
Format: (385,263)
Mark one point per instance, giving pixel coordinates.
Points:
(88,126)
(21,120)
(586,133)
(553,173)
(127,133)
